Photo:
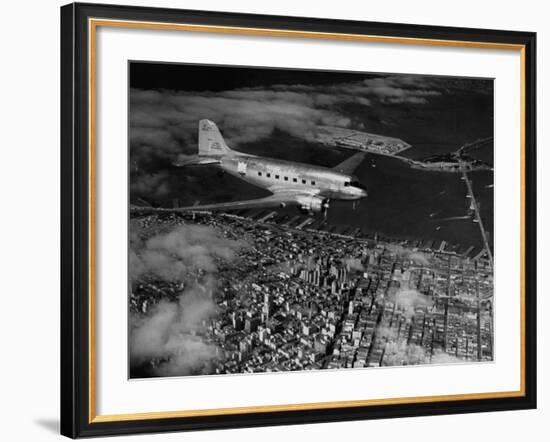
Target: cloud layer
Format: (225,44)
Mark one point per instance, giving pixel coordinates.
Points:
(170,332)
(174,255)
(163,123)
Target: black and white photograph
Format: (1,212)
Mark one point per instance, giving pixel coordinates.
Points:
(285,220)
(275,221)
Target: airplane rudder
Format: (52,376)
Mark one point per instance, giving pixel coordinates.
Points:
(211,141)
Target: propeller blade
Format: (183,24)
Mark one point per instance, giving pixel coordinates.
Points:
(325,208)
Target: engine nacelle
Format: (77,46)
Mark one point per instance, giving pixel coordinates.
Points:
(312,204)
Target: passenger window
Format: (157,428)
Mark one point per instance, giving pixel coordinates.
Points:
(276,177)
(259,173)
(269,175)
(313,183)
(303,181)
(295,180)
(286,178)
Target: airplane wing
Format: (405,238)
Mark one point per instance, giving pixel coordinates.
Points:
(349,165)
(281,199)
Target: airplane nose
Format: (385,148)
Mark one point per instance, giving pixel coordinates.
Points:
(363,193)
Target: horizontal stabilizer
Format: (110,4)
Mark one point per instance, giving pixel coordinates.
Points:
(195,160)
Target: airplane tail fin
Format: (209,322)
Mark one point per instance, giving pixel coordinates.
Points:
(211,142)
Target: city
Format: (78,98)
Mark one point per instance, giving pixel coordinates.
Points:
(301,298)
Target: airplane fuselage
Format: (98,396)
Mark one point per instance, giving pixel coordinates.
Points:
(274,174)
(309,187)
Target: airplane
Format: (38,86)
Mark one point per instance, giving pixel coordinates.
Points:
(306,186)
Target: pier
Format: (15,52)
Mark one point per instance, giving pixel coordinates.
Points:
(477,215)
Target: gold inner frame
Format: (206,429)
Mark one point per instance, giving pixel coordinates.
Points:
(93,24)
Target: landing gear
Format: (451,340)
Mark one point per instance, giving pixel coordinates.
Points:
(325,206)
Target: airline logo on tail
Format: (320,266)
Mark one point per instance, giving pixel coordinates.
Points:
(211,141)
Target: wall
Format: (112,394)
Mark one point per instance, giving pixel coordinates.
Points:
(29,173)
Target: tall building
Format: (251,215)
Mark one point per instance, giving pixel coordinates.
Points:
(342,275)
(267,308)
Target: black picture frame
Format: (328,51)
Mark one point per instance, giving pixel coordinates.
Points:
(76,249)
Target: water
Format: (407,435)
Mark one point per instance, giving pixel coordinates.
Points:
(411,203)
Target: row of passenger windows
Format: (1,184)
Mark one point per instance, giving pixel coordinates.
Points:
(285,178)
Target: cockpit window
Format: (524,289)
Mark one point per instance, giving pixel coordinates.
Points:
(354,183)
